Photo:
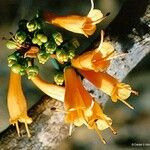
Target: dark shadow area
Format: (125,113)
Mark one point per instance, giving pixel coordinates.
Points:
(127,19)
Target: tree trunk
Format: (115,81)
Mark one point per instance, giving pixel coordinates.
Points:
(128,33)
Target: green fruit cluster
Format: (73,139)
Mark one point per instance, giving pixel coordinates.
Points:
(50,46)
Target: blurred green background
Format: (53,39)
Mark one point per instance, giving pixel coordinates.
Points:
(133,126)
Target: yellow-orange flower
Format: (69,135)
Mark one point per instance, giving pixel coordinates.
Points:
(80,106)
(78,24)
(97,59)
(51,90)
(109,85)
(17,103)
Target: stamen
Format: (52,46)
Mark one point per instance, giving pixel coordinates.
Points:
(27,129)
(135,92)
(127,104)
(116,55)
(89,112)
(92,104)
(17,128)
(70,129)
(99,134)
(101,42)
(92,5)
(111,128)
(99,20)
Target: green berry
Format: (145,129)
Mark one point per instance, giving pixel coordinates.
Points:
(43,57)
(59,78)
(61,55)
(39,35)
(50,47)
(32,25)
(11,62)
(12,57)
(39,43)
(32,71)
(71,54)
(44,39)
(35,40)
(11,44)
(20,36)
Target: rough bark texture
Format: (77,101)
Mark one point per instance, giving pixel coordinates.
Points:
(48,128)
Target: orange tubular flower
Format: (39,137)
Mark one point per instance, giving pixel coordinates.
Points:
(52,90)
(78,24)
(109,85)
(97,59)
(80,106)
(17,103)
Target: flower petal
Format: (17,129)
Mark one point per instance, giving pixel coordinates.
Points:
(76,97)
(52,90)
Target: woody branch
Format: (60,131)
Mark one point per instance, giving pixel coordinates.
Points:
(48,128)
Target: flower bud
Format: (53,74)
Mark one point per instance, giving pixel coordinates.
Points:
(11,62)
(35,40)
(32,71)
(57,38)
(32,25)
(59,78)
(44,39)
(71,54)
(20,36)
(12,57)
(50,47)
(61,55)
(43,57)
(11,44)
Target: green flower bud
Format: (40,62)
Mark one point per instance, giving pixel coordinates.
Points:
(39,35)
(61,55)
(32,71)
(11,44)
(11,62)
(59,78)
(39,43)
(57,38)
(12,57)
(71,54)
(44,39)
(16,68)
(43,57)
(22,72)
(20,36)
(35,40)
(50,47)
(32,25)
